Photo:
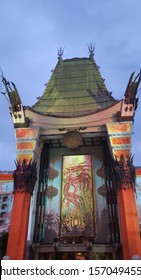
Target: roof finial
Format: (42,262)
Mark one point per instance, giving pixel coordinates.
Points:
(60,53)
(91,49)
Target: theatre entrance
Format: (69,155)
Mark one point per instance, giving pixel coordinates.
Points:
(76,252)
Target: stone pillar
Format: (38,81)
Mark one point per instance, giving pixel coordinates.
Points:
(129,224)
(24,181)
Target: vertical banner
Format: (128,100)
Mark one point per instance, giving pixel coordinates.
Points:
(51,215)
(77,217)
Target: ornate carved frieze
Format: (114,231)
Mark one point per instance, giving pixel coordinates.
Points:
(25,176)
(27,143)
(124,172)
(120,134)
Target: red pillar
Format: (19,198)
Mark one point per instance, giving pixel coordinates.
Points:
(19,225)
(129,224)
(24,181)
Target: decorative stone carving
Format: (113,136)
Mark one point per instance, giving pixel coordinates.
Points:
(124,173)
(72,139)
(25,176)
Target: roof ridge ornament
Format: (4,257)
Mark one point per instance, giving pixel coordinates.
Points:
(132,88)
(91,49)
(60,54)
(130,101)
(16,108)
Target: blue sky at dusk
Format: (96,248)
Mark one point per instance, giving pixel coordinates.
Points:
(31,31)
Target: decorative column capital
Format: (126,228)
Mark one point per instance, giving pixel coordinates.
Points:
(25,176)
(124,173)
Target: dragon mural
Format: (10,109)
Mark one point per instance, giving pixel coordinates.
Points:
(77,193)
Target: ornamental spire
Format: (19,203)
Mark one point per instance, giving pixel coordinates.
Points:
(60,54)
(91,49)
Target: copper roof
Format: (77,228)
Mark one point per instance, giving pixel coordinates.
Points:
(75,89)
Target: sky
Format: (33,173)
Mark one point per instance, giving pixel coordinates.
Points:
(31,32)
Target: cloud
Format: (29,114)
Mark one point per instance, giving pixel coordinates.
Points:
(31,31)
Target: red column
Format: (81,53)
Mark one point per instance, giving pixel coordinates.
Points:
(24,181)
(19,225)
(129,224)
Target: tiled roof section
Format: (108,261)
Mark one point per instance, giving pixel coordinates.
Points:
(75,89)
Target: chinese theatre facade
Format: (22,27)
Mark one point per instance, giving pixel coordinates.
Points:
(75,143)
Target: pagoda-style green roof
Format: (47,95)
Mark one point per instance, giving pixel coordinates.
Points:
(75,89)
